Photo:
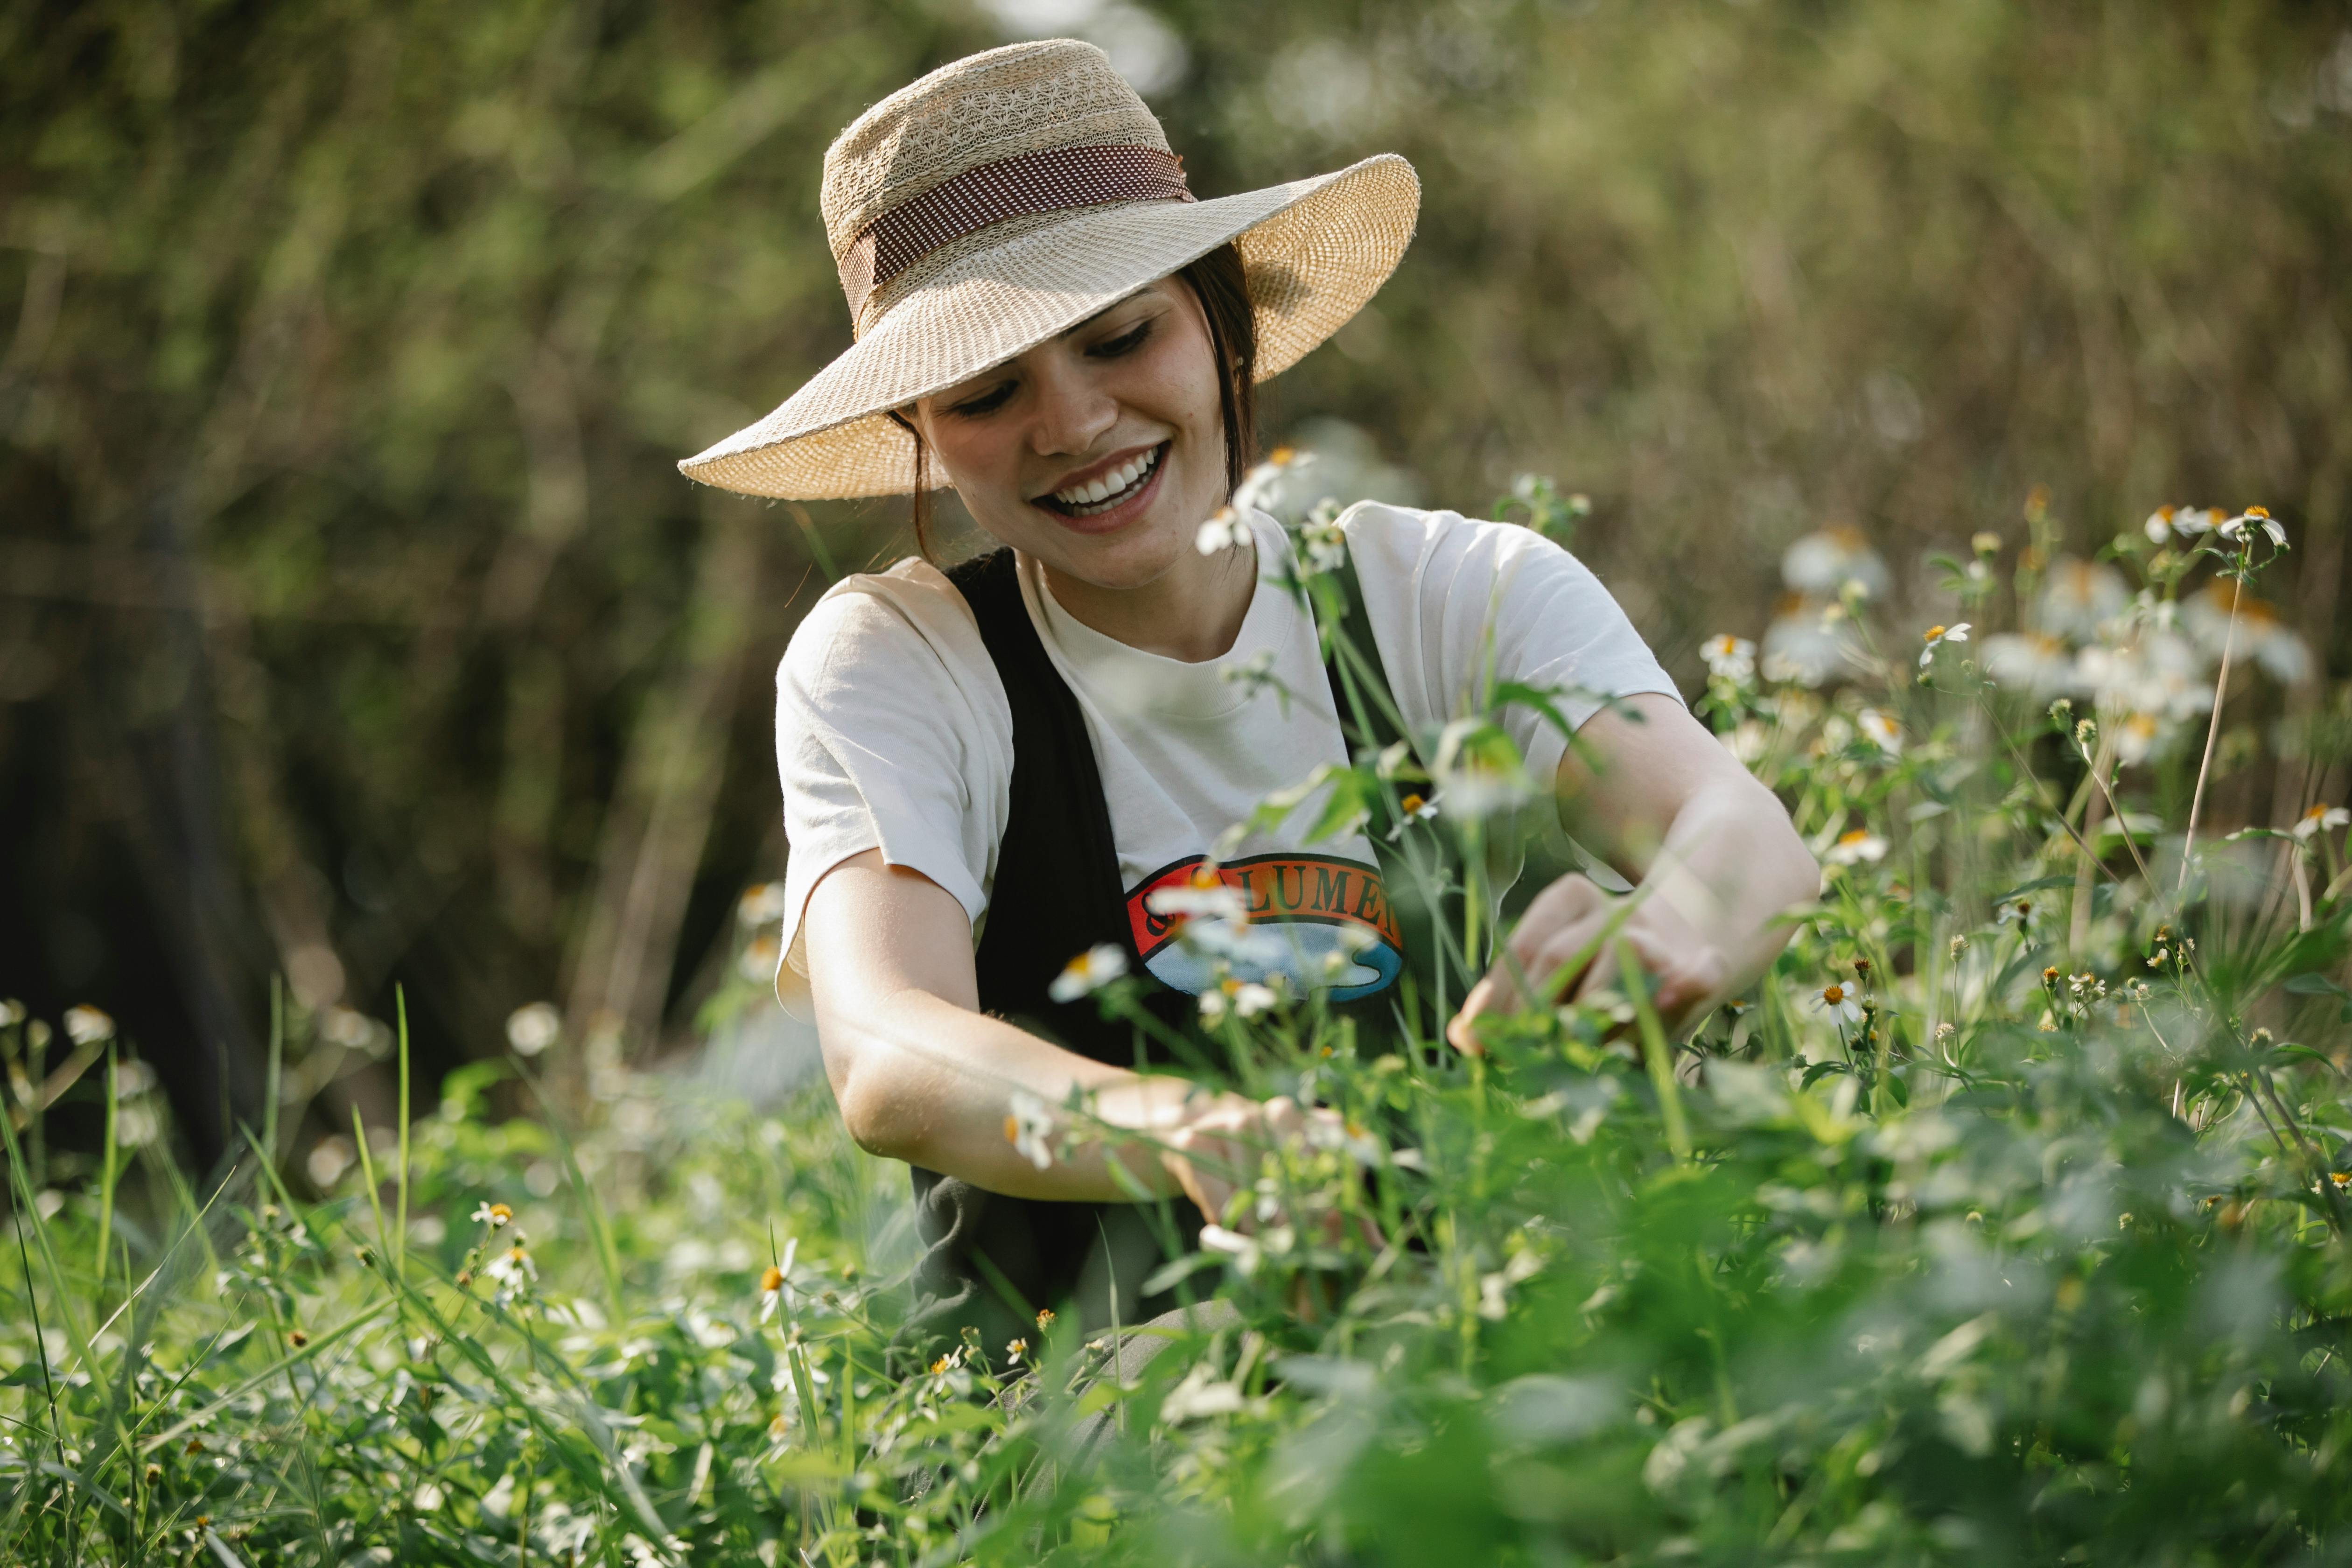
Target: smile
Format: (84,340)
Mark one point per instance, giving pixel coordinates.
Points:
(1109,491)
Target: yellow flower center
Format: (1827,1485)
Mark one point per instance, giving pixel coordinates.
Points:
(1011,1131)
(500,1213)
(773,1280)
(1412,804)
(1931,633)
(1833,995)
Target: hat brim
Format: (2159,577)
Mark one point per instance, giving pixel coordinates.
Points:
(1315,250)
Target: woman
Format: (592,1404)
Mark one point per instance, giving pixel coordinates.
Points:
(988,772)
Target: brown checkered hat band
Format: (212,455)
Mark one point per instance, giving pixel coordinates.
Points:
(1052,180)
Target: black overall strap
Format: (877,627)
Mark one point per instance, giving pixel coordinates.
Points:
(1057,890)
(991,1261)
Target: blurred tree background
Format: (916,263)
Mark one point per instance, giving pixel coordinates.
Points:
(358,627)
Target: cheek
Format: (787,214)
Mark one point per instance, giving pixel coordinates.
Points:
(1178,384)
(975,459)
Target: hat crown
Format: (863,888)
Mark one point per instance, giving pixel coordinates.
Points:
(1023,97)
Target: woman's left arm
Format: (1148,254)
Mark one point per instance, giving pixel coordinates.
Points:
(1713,853)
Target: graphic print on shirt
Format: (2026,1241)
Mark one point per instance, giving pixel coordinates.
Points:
(1321,922)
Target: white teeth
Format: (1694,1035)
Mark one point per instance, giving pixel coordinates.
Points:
(1119,481)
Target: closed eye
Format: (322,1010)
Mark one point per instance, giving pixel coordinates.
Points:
(985,403)
(1125,342)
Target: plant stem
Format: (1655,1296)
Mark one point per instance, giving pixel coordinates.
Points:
(105,1174)
(2078,934)
(1661,1054)
(2213,730)
(400,1209)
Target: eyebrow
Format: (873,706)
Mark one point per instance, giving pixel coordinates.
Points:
(1107,310)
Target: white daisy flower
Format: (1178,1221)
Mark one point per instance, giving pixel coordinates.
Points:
(1838,1001)
(512,1268)
(1030,1129)
(1088,972)
(1211,898)
(762,905)
(2238,528)
(1241,1249)
(2320,819)
(531,1028)
(2080,598)
(86,1025)
(2035,662)
(1327,546)
(776,1282)
(1937,637)
(1856,848)
(1479,770)
(1243,998)
(1729,657)
(1881,730)
(1344,1137)
(1812,643)
(1831,560)
(1224,531)
(1412,809)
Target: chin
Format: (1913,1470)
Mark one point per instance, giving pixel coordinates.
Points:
(1135,558)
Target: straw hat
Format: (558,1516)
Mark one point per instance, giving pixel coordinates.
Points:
(1004,199)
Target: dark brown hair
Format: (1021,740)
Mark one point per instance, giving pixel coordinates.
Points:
(1222,285)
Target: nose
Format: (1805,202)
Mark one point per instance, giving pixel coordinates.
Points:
(1073,412)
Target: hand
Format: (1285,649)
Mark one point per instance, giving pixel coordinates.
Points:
(1555,948)
(1216,1154)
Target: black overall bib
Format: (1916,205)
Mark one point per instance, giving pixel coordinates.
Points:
(991,1261)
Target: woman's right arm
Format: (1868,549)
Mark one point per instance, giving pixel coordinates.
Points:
(922,1075)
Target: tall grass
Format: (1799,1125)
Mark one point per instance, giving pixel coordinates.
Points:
(2003,1222)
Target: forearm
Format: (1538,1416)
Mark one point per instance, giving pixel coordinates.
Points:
(923,1080)
(1731,864)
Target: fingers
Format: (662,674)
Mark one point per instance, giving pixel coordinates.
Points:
(1568,963)
(1681,977)
(1549,958)
(1564,902)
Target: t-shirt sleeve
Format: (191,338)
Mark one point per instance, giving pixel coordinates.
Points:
(1444,591)
(892,733)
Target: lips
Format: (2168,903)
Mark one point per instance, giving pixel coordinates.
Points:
(1109,490)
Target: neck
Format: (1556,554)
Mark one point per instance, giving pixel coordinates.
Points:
(1192,612)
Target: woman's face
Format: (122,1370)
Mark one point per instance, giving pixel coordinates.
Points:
(1101,452)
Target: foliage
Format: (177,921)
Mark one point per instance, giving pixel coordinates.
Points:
(2005,1221)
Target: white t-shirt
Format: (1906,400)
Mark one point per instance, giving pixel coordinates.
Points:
(893,732)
